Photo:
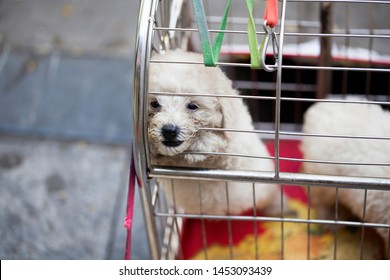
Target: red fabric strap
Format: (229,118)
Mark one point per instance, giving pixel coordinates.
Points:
(271,13)
(130,208)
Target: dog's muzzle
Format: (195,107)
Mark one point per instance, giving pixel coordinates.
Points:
(170,133)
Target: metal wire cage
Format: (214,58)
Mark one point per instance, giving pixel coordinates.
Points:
(326,50)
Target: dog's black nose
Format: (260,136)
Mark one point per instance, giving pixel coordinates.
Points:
(170,132)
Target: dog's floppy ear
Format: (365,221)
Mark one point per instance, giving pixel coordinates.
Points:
(235,113)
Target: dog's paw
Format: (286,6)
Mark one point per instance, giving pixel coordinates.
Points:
(206,142)
(276,207)
(191,158)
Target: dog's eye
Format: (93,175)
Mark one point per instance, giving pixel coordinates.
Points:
(154,104)
(192,106)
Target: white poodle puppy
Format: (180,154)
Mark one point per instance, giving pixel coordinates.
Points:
(352,120)
(179,135)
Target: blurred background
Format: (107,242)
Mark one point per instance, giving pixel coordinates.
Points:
(66,74)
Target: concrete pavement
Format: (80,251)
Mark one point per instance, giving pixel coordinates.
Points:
(65,129)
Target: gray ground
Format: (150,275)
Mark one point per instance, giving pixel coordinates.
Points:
(65,129)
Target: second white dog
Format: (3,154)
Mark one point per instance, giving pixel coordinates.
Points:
(179,135)
(350,120)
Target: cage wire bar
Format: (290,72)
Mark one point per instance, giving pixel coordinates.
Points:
(164,31)
(140,147)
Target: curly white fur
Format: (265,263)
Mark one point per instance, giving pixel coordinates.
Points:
(354,120)
(184,119)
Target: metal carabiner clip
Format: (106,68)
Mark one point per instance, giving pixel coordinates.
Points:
(269,32)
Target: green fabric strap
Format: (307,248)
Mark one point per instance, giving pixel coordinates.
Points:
(210,52)
(255,51)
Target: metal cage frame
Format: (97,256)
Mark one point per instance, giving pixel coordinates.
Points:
(148,30)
